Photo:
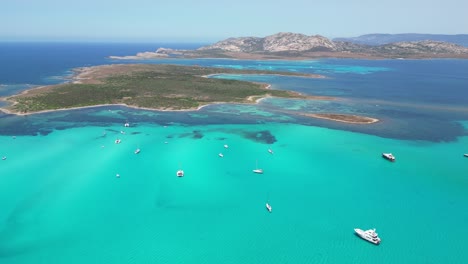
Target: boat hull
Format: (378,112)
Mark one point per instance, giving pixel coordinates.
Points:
(361,233)
(388,157)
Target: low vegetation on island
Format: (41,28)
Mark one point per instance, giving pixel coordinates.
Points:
(159,87)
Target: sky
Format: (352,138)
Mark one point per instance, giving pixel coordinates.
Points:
(210,21)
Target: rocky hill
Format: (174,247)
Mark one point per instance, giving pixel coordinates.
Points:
(275,43)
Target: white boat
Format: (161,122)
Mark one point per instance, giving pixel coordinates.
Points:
(466,155)
(226,146)
(117,141)
(268,207)
(127,124)
(180,173)
(137,151)
(257,170)
(4,158)
(270,151)
(388,156)
(117,175)
(122,132)
(221,155)
(369,235)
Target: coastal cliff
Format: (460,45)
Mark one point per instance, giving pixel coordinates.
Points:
(286,45)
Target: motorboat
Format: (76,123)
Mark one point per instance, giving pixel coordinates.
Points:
(127,124)
(4,158)
(221,155)
(117,175)
(369,235)
(226,146)
(137,151)
(466,155)
(117,141)
(180,173)
(270,151)
(388,156)
(268,207)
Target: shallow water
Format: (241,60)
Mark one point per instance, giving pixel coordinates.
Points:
(67,205)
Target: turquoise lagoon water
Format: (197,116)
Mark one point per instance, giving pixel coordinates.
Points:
(62,203)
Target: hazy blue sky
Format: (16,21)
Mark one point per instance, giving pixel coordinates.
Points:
(209,20)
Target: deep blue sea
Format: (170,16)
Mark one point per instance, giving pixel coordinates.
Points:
(61,201)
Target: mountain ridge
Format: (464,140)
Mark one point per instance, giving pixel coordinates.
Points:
(381,39)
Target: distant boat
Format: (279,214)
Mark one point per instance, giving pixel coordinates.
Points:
(257,170)
(270,151)
(388,156)
(117,141)
(137,151)
(180,173)
(4,158)
(221,155)
(122,132)
(126,124)
(466,155)
(117,175)
(268,207)
(369,235)
(226,146)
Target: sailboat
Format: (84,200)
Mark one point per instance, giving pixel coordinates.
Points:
(257,170)
(180,173)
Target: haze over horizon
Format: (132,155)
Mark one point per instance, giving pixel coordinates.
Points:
(211,21)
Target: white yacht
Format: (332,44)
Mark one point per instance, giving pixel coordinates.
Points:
(117,141)
(369,235)
(257,170)
(4,158)
(137,151)
(388,156)
(226,146)
(126,124)
(180,173)
(221,155)
(270,151)
(268,207)
(117,175)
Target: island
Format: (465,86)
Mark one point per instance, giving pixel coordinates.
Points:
(296,46)
(157,87)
